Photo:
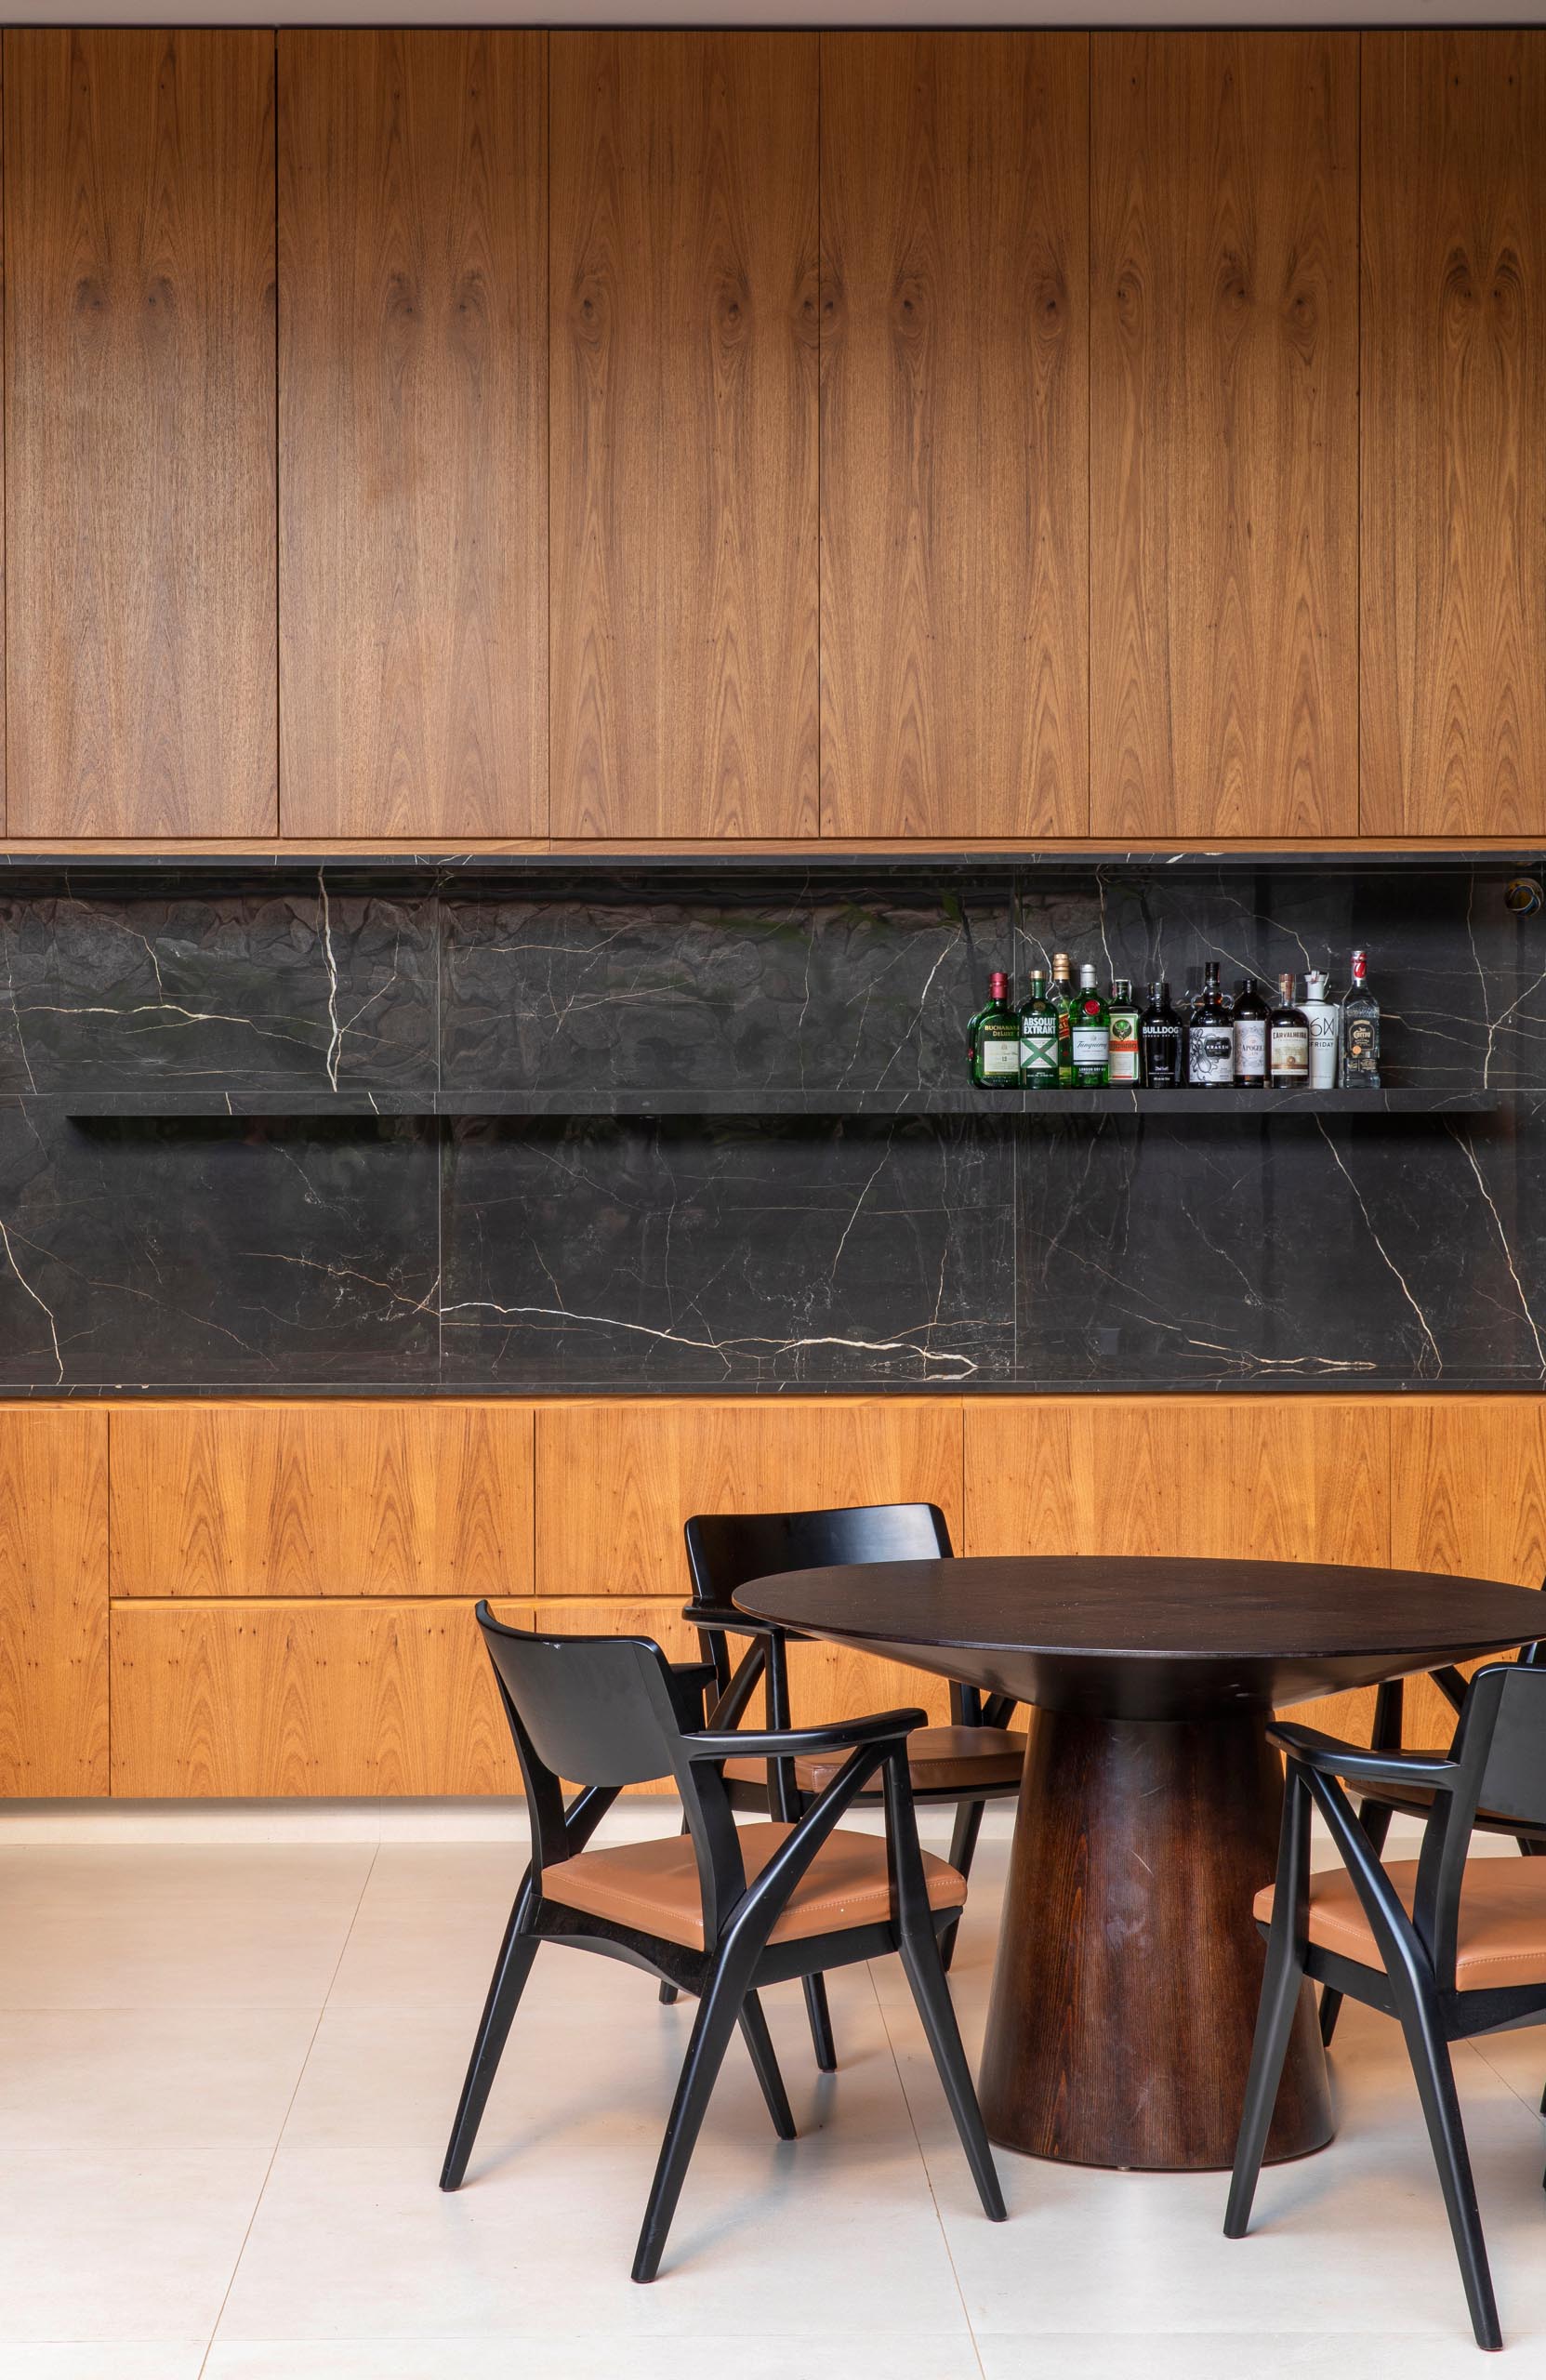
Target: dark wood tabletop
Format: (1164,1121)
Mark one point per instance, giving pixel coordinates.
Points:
(1153,1637)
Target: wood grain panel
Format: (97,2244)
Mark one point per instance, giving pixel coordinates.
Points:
(53,1603)
(305,1698)
(616,1482)
(413,398)
(1454,432)
(955,433)
(1224,428)
(141,432)
(1261,1479)
(683,363)
(332,1499)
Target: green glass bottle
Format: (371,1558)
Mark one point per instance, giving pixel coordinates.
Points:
(1039,1039)
(1060,993)
(1090,1035)
(993,1040)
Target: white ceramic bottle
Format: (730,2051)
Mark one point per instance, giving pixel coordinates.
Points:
(1320,1015)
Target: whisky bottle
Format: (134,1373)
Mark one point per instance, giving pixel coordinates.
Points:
(1090,1034)
(1123,1064)
(1289,1040)
(1209,1039)
(1063,999)
(1159,1041)
(1250,1037)
(1358,1040)
(1039,1037)
(1321,1016)
(993,1040)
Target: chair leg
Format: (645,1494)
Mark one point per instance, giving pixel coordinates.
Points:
(963,1847)
(668,1995)
(1441,2108)
(1375,1820)
(719,2012)
(754,2031)
(821,2023)
(510,1970)
(925,1973)
(1275,2024)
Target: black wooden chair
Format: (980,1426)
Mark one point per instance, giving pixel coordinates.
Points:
(718,1910)
(1450,1949)
(974,1760)
(1379,1803)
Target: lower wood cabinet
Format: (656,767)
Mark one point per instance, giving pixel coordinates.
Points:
(53,1602)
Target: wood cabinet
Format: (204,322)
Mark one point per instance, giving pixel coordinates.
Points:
(954,431)
(53,1603)
(1454,432)
(302,1699)
(139,432)
(683,441)
(412,396)
(322,1499)
(1224,435)
(1468,1488)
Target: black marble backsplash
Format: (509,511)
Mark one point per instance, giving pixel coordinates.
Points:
(407,1252)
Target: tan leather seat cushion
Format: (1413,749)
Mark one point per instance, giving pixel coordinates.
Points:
(943,1760)
(654,1886)
(1502,1927)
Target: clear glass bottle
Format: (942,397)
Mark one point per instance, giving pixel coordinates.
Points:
(993,1040)
(1039,1037)
(1159,1041)
(1209,1039)
(1123,1063)
(1289,1040)
(1249,1025)
(1090,1035)
(1358,1037)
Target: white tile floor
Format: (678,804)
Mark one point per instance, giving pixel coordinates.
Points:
(227,2072)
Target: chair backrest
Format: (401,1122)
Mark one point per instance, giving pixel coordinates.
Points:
(726,1549)
(1500,1748)
(597,1710)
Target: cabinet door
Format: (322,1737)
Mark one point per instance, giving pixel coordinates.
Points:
(53,1603)
(1223,430)
(955,433)
(413,391)
(1454,433)
(139,432)
(684,361)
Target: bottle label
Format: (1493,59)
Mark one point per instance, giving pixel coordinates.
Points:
(1122,1064)
(1039,1051)
(1251,1045)
(1211,1056)
(998,1060)
(1290,1054)
(1091,1045)
(1361,1051)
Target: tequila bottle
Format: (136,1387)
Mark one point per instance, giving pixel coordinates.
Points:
(1358,1040)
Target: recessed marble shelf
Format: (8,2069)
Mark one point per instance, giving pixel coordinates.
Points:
(953,1101)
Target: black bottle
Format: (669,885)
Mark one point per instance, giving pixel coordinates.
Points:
(1250,1037)
(1159,1041)
(1210,1037)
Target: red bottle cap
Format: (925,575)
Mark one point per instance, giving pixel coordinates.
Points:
(998,987)
(1360,965)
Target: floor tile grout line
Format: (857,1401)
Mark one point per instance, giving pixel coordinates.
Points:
(928,2177)
(289,2110)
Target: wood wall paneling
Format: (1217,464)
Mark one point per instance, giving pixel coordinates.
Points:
(413,392)
(683,409)
(322,1499)
(53,1603)
(305,1698)
(1454,432)
(1224,434)
(141,432)
(955,433)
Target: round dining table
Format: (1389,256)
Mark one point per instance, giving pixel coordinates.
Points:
(1129,1963)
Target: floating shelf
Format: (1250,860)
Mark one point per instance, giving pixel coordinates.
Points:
(1047,1105)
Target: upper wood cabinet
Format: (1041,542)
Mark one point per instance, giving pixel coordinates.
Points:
(955,433)
(1224,435)
(139,432)
(1454,433)
(683,433)
(412,396)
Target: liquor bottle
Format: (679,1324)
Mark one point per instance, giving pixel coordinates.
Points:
(993,1040)
(1159,1041)
(1209,1039)
(1358,1040)
(1320,1015)
(1250,1037)
(1289,1040)
(1123,1066)
(1090,1035)
(1062,994)
(1039,1037)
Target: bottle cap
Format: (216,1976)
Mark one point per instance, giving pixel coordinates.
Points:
(1315,985)
(1210,972)
(1286,985)
(1160,992)
(1121,987)
(1360,965)
(1060,962)
(1086,978)
(997,987)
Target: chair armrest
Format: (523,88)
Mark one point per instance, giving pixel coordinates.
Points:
(793,1743)
(725,1616)
(1331,1757)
